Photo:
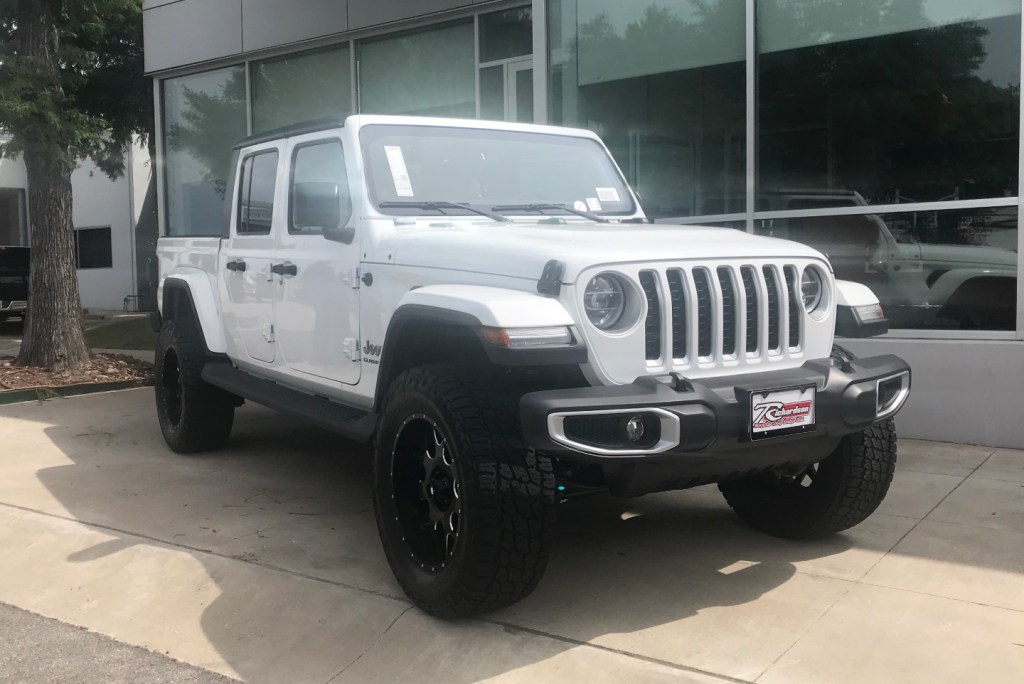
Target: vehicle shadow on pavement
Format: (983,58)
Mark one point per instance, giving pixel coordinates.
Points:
(293,498)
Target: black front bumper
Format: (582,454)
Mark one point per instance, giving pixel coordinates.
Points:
(714,441)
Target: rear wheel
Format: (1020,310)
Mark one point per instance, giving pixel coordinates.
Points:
(194,415)
(465,511)
(827,497)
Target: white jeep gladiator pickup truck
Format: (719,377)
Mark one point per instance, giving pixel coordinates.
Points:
(487,305)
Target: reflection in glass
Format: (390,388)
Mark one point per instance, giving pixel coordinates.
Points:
(952,269)
(486,169)
(506,34)
(898,102)
(203,117)
(426,73)
(301,88)
(662,81)
(492,93)
(256,194)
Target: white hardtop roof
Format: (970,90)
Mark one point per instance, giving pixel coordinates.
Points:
(357,121)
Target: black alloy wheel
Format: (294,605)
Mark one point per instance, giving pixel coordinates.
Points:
(427,492)
(465,511)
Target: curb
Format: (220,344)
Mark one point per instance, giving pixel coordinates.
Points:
(44,393)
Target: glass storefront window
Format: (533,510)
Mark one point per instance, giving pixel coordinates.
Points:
(301,87)
(663,82)
(942,270)
(425,73)
(203,117)
(506,34)
(889,102)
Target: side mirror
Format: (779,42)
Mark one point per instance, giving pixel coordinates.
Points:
(317,208)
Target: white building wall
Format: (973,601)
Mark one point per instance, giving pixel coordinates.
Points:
(12,173)
(100,202)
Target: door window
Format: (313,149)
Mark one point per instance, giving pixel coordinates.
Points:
(320,197)
(256,194)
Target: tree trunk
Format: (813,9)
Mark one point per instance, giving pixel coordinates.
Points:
(53,336)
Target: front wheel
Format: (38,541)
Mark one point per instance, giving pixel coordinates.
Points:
(465,511)
(828,497)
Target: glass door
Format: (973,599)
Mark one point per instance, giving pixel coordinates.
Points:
(506,91)
(519,91)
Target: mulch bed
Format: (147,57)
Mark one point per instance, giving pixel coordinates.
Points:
(104,369)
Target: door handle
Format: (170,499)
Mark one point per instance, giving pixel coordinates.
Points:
(237,265)
(285,269)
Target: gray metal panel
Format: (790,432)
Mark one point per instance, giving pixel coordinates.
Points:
(966,391)
(363,13)
(191,31)
(150,4)
(269,23)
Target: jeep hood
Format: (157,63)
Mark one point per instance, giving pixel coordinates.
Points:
(520,249)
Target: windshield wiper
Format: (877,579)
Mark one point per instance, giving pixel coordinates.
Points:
(541,208)
(441,206)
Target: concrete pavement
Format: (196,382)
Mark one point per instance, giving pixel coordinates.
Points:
(262,562)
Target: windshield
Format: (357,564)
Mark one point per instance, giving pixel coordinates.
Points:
(489,168)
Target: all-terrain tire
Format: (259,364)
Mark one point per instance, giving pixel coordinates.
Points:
(833,495)
(505,493)
(194,415)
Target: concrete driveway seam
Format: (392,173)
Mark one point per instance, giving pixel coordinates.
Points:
(372,646)
(601,647)
(210,552)
(808,630)
(875,564)
(932,510)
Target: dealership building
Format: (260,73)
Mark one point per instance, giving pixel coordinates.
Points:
(886,134)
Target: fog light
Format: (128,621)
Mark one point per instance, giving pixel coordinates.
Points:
(635,429)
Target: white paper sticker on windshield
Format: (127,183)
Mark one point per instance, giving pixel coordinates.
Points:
(399,173)
(579,205)
(607,194)
(593,204)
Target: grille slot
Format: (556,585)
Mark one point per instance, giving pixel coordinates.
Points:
(772,286)
(795,304)
(652,324)
(729,304)
(702,283)
(748,276)
(758,308)
(675,288)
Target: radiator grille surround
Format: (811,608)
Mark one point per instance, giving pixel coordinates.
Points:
(710,318)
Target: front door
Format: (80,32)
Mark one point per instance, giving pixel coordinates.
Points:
(247,284)
(519,89)
(506,91)
(317,311)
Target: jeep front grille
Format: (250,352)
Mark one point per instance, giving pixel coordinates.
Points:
(721,313)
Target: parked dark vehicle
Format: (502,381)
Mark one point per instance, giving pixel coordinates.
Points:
(14,267)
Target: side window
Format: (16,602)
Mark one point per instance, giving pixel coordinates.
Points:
(319,192)
(256,194)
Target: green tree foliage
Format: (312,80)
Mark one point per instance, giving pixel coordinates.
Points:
(97,98)
(71,87)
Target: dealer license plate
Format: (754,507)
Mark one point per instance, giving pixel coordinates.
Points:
(778,412)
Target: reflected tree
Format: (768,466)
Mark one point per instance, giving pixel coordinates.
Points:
(209,126)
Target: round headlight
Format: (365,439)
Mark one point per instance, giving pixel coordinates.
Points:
(811,289)
(604,301)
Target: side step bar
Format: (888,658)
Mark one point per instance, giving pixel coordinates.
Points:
(347,421)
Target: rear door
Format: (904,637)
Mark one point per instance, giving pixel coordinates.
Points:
(247,283)
(317,312)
